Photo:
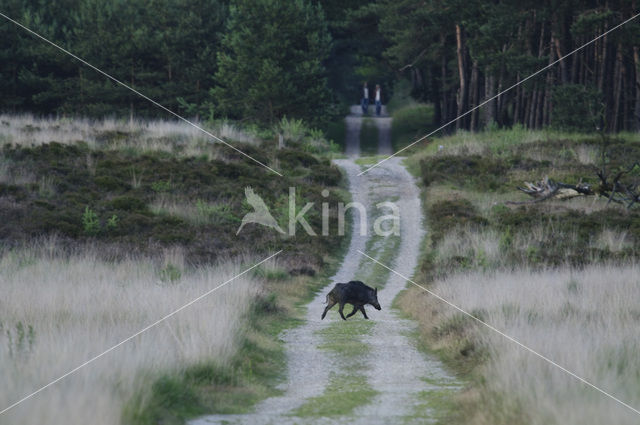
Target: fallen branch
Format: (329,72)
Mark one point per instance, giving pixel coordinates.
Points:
(620,192)
(616,190)
(549,188)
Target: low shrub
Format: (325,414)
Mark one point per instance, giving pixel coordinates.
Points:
(291,158)
(128,203)
(446,215)
(211,188)
(109,183)
(472,171)
(410,123)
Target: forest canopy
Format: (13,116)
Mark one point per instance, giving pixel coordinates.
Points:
(260,60)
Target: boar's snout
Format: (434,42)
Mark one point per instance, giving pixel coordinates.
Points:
(374,300)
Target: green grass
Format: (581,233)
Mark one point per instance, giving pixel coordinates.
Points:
(343,337)
(345,392)
(500,142)
(401,97)
(368,161)
(437,404)
(336,132)
(383,249)
(342,396)
(368,137)
(209,388)
(212,388)
(410,123)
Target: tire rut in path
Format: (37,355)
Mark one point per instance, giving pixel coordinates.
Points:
(384,135)
(308,366)
(400,373)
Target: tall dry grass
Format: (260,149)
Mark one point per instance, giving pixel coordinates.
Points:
(585,320)
(142,135)
(55,313)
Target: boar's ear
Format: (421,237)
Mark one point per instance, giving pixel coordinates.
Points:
(375,291)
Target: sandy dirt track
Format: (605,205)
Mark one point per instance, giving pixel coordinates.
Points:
(401,376)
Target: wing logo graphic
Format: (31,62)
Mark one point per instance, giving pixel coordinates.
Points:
(260,214)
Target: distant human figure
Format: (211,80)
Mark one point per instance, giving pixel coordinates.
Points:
(365,99)
(378,101)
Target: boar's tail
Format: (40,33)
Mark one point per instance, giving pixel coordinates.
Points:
(330,296)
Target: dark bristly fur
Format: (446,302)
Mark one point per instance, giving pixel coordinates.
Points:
(355,293)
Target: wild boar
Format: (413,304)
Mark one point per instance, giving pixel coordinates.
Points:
(355,293)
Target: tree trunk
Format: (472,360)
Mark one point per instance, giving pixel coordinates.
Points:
(474,96)
(537,118)
(564,75)
(532,108)
(636,107)
(443,79)
(534,111)
(627,84)
(603,60)
(517,108)
(81,81)
(500,103)
(437,96)
(462,91)
(526,103)
(489,110)
(444,95)
(418,77)
(546,104)
(574,65)
(131,101)
(271,120)
(617,88)
(583,68)
(547,108)
(499,98)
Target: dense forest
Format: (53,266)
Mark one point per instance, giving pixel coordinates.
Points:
(254,60)
(260,60)
(460,53)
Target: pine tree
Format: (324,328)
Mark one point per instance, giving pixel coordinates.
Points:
(271,64)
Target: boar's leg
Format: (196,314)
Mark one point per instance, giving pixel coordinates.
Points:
(363,312)
(341,313)
(355,309)
(327,308)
